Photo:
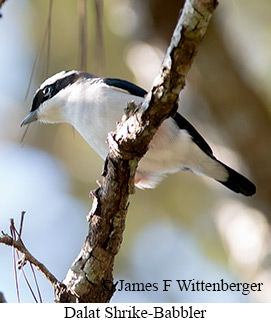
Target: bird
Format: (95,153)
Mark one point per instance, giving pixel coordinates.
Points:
(94,105)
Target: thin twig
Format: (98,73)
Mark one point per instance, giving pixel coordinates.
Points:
(82,8)
(100,67)
(27,282)
(18,244)
(49,29)
(21,224)
(15,240)
(21,261)
(36,282)
(46,36)
(12,227)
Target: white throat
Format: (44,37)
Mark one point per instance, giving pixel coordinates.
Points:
(93,111)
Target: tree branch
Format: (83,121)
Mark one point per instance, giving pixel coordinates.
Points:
(90,276)
(18,244)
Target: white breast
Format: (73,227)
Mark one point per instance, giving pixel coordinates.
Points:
(97,113)
(94,112)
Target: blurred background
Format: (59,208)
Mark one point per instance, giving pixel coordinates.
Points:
(189,227)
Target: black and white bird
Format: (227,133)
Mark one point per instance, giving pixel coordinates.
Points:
(94,105)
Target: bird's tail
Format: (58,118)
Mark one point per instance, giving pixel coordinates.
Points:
(208,165)
(237,182)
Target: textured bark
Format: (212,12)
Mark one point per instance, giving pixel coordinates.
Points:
(240,113)
(90,278)
(27,256)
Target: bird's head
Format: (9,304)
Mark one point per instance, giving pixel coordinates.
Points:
(49,101)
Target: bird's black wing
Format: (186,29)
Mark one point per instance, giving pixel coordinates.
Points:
(126,86)
(180,120)
(235,181)
(196,137)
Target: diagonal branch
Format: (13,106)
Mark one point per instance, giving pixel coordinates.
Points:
(90,276)
(18,245)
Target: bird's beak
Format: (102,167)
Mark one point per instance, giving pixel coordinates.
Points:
(30,118)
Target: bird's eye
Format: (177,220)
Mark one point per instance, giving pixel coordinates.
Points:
(47,91)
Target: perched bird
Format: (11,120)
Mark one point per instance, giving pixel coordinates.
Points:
(93,105)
